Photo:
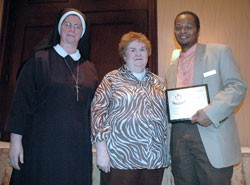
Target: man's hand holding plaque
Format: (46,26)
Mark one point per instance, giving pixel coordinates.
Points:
(201,118)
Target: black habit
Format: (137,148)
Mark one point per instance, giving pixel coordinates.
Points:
(55,126)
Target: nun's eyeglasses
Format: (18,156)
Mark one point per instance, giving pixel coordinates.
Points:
(69,25)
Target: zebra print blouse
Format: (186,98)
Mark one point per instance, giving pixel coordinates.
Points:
(130,115)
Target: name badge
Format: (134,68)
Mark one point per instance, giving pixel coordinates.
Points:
(209,73)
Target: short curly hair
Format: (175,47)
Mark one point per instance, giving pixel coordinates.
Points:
(130,37)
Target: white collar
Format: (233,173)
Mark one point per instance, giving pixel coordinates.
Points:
(59,49)
(139,76)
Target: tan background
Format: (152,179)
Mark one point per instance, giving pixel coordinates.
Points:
(222,21)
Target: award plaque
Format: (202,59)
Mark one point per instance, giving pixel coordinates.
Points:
(183,103)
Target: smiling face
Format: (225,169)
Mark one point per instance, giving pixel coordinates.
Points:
(186,32)
(136,56)
(71,31)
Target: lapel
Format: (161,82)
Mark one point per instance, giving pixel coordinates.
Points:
(172,74)
(199,63)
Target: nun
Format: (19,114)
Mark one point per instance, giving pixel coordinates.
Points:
(48,121)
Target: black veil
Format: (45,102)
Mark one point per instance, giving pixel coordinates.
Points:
(53,38)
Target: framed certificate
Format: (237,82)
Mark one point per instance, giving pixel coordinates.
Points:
(182,103)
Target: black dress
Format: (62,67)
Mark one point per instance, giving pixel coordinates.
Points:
(55,126)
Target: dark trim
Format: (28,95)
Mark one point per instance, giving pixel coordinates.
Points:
(152,25)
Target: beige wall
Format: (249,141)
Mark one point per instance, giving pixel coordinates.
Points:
(222,21)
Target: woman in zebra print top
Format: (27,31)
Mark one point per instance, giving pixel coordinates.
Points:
(129,121)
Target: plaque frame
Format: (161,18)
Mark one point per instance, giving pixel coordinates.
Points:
(177,105)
